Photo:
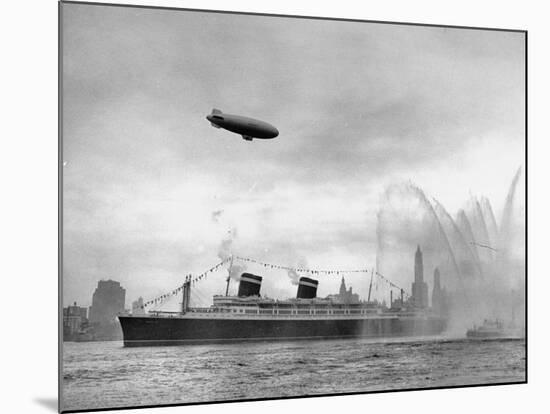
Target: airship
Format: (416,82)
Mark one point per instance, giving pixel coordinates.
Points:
(248,128)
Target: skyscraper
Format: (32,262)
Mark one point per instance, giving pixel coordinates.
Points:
(345,295)
(73,318)
(343,289)
(419,287)
(107,302)
(439,297)
(137,307)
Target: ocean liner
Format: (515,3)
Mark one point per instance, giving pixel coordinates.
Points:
(249,316)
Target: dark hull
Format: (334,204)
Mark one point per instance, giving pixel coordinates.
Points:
(148,331)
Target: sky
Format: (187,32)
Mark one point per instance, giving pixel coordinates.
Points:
(151,190)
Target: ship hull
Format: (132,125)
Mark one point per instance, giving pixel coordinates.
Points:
(151,331)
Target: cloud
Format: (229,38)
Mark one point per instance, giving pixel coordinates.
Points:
(358,105)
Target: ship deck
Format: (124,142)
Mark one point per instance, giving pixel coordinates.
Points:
(259,314)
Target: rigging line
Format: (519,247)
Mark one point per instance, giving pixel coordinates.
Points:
(198,295)
(392,284)
(484,245)
(321,271)
(301,269)
(179,288)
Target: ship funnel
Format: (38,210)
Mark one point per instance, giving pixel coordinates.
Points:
(307,288)
(250,285)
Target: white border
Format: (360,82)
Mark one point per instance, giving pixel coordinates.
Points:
(29,207)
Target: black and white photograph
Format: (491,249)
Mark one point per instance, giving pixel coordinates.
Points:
(258,207)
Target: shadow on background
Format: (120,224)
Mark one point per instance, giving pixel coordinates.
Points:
(49,403)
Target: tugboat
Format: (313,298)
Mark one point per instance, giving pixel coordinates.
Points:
(489,329)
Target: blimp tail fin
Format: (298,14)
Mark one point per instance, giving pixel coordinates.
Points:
(216,111)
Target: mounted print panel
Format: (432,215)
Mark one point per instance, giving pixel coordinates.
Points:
(262,207)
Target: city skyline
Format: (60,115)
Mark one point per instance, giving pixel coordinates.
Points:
(137,304)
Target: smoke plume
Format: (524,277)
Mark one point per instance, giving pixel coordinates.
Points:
(225,251)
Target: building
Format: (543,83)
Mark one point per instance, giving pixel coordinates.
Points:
(137,307)
(107,302)
(439,296)
(345,295)
(73,318)
(398,302)
(419,287)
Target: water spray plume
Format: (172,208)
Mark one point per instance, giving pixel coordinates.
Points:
(468,251)
(460,244)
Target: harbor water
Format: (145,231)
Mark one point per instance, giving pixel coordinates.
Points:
(105,374)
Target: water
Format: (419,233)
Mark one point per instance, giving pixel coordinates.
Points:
(105,374)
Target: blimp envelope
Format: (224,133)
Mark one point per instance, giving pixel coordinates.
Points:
(248,128)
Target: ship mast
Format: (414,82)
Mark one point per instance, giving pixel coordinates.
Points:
(229,276)
(370,285)
(186,294)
